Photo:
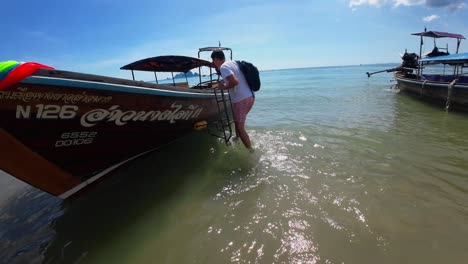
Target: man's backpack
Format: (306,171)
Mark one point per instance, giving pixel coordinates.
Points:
(251,74)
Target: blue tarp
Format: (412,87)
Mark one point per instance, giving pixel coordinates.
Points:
(453,58)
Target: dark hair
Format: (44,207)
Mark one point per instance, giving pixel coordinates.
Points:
(218,54)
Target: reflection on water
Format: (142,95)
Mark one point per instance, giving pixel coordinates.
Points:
(353,174)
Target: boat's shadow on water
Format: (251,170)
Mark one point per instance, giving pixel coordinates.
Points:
(71,229)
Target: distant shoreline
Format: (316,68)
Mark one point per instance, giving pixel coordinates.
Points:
(335,66)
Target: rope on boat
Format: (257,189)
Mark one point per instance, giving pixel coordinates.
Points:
(422,87)
(449,93)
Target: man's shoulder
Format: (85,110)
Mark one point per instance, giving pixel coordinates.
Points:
(230,64)
(228,68)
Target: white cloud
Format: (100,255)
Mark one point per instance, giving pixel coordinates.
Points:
(408,2)
(451,4)
(430,18)
(377,3)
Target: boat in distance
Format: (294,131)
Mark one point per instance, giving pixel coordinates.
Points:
(438,77)
(60,130)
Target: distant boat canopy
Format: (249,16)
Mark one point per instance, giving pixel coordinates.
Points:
(438,34)
(435,35)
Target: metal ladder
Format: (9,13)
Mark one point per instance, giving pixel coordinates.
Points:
(224,124)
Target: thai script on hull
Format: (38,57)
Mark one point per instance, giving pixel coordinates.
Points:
(26,96)
(120,117)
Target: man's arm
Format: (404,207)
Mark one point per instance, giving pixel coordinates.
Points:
(230,82)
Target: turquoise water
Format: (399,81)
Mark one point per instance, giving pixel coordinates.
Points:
(346,170)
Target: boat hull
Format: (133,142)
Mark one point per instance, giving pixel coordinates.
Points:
(60,131)
(435,92)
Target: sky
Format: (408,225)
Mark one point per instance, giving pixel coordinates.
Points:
(100,36)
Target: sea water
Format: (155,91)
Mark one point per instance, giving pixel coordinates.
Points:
(345,170)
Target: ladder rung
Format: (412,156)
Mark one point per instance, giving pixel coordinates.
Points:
(223,125)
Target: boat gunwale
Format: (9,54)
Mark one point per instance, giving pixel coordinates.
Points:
(91,81)
(399,76)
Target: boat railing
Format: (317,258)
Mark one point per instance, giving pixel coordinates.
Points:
(437,77)
(436,35)
(444,78)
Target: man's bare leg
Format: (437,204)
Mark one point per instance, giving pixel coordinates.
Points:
(240,131)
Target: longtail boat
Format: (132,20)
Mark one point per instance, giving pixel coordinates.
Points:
(61,131)
(438,76)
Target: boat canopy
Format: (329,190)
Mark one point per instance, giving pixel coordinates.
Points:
(438,34)
(454,58)
(167,64)
(213,48)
